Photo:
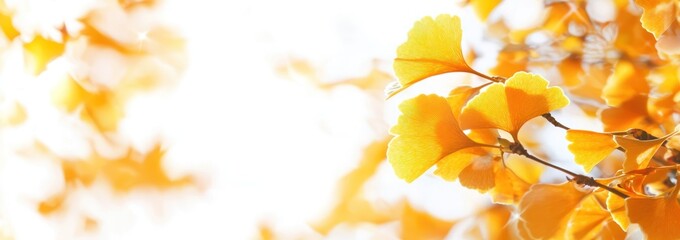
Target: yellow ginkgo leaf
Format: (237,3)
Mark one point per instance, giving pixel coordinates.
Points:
(480,174)
(514,177)
(657,15)
(425,133)
(633,113)
(545,209)
(509,105)
(433,47)
(451,166)
(617,208)
(639,153)
(589,148)
(658,216)
(591,221)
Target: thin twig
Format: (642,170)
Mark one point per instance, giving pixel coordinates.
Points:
(517,148)
(554,121)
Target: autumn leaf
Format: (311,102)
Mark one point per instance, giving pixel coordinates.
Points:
(545,209)
(433,47)
(509,105)
(589,148)
(633,113)
(513,179)
(617,208)
(657,15)
(426,132)
(657,216)
(638,152)
(591,220)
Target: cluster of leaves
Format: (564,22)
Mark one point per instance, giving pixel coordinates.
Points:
(96,101)
(629,80)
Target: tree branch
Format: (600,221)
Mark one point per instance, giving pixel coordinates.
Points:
(518,149)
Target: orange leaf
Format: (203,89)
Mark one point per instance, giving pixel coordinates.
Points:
(589,148)
(638,153)
(425,133)
(545,209)
(657,15)
(480,174)
(433,47)
(658,216)
(508,106)
(591,220)
(617,207)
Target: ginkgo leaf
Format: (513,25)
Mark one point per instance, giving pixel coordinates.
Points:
(509,105)
(514,177)
(510,60)
(657,216)
(545,209)
(635,41)
(639,153)
(591,220)
(458,97)
(617,208)
(433,47)
(633,113)
(452,165)
(657,15)
(425,133)
(480,174)
(589,148)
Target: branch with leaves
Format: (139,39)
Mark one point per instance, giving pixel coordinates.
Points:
(465,135)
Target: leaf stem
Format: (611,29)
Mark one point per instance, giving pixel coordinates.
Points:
(493,79)
(554,121)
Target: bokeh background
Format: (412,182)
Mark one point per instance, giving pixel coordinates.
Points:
(138,119)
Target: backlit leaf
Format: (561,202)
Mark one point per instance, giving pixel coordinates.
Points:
(425,133)
(657,216)
(545,209)
(657,15)
(509,105)
(433,47)
(589,148)
(639,153)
